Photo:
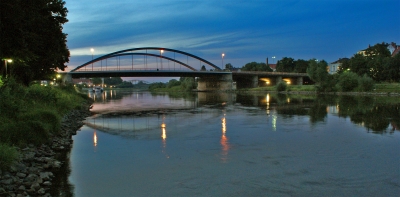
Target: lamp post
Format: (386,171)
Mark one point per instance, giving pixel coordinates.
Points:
(5,62)
(161,52)
(223,54)
(92,50)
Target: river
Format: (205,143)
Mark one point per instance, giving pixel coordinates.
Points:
(228,144)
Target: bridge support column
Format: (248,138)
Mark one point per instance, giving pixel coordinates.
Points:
(66,78)
(215,83)
(278,79)
(254,81)
(299,81)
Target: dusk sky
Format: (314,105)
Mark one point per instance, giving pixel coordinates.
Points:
(245,31)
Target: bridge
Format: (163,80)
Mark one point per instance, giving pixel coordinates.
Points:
(165,62)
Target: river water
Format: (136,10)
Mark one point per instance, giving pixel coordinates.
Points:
(226,144)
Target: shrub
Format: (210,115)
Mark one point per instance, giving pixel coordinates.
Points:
(50,120)
(348,81)
(366,83)
(281,86)
(8,155)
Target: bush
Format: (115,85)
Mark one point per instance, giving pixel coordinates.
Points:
(281,86)
(366,83)
(8,155)
(348,81)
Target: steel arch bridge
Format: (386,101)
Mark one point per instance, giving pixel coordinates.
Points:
(116,64)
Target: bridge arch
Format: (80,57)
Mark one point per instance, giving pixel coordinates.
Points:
(126,52)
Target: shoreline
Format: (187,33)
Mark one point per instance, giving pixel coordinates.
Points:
(33,174)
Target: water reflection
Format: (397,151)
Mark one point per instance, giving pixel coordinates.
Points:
(224,141)
(200,139)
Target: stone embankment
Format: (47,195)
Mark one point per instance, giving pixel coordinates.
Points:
(32,175)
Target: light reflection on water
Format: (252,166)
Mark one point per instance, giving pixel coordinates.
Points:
(249,146)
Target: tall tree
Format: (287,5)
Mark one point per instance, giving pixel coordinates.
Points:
(286,64)
(380,50)
(300,66)
(31,34)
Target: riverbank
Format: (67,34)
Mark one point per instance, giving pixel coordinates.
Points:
(32,175)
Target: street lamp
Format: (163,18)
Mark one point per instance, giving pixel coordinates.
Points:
(223,54)
(161,52)
(5,62)
(92,50)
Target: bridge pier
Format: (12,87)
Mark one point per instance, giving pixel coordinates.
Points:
(215,83)
(300,81)
(66,78)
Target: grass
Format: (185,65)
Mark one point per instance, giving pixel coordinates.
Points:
(387,87)
(30,115)
(8,155)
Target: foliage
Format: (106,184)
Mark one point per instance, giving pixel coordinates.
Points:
(348,81)
(108,81)
(285,65)
(366,83)
(32,36)
(1,81)
(228,67)
(125,84)
(324,82)
(172,83)
(281,86)
(300,66)
(32,120)
(203,68)
(378,50)
(8,155)
(254,66)
(188,83)
(156,85)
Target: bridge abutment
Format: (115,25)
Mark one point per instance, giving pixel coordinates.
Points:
(215,83)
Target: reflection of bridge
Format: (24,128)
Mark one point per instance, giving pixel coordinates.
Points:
(148,62)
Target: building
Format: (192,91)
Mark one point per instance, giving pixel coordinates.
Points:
(334,66)
(82,81)
(394,49)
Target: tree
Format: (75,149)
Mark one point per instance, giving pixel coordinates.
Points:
(113,80)
(285,65)
(254,66)
(31,35)
(358,64)
(188,83)
(203,68)
(380,50)
(172,83)
(318,73)
(300,66)
(228,66)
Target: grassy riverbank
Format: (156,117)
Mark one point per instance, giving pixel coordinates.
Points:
(32,115)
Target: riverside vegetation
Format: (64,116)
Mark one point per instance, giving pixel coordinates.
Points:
(32,129)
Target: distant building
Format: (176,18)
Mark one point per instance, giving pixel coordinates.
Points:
(82,81)
(394,49)
(334,66)
(272,66)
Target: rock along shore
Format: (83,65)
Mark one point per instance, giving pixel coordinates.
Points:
(32,175)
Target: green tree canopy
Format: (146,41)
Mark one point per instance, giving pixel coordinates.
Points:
(254,66)
(286,64)
(31,35)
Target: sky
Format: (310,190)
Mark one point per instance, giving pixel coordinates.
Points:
(244,30)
